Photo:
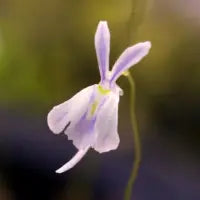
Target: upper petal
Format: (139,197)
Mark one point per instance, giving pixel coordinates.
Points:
(128,58)
(107,137)
(70,111)
(102,46)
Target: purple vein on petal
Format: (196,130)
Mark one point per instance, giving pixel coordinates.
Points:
(85,125)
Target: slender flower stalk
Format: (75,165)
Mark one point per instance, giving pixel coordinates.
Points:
(136,138)
(137,8)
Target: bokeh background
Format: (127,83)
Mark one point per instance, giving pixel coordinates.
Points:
(47,55)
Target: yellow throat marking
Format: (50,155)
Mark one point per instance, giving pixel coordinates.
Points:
(95,104)
(93,108)
(102,90)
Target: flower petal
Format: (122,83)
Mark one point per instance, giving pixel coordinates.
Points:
(107,137)
(69,112)
(78,156)
(82,132)
(128,58)
(102,45)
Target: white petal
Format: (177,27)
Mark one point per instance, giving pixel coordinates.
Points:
(128,58)
(107,137)
(102,45)
(70,111)
(78,156)
(82,132)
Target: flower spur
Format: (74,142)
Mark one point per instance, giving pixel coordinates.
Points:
(90,118)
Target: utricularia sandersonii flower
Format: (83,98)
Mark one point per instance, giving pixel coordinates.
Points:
(90,117)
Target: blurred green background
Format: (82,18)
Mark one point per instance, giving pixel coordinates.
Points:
(47,55)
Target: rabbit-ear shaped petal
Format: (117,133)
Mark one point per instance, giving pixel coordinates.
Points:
(128,58)
(102,46)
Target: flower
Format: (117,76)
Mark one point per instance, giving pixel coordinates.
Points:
(90,118)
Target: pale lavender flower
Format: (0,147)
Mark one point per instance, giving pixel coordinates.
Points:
(90,117)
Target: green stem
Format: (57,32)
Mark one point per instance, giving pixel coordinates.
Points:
(136,139)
